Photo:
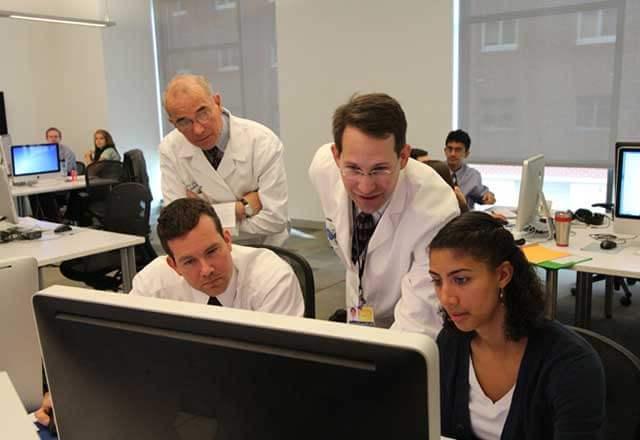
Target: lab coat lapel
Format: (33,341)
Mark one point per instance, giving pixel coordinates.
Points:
(237,150)
(391,216)
(342,221)
(203,173)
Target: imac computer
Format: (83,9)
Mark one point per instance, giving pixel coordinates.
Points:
(125,367)
(32,162)
(19,349)
(7,205)
(626,219)
(529,197)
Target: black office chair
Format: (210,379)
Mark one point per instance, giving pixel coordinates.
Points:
(128,208)
(81,168)
(304,273)
(135,167)
(622,374)
(87,208)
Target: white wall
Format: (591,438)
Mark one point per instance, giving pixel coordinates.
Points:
(131,82)
(329,49)
(52,74)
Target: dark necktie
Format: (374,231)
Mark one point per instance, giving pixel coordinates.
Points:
(214,301)
(454,178)
(214,156)
(363,227)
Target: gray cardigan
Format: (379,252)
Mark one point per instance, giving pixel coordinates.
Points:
(559,394)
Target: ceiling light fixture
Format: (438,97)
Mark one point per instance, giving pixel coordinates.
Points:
(54,19)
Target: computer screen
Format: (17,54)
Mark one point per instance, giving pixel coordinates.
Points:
(30,162)
(627,178)
(122,366)
(528,199)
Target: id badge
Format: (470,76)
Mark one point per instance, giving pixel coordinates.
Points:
(361,316)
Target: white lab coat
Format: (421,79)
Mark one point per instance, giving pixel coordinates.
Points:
(264,283)
(396,281)
(253,161)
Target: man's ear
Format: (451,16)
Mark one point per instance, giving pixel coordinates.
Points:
(226,235)
(172,263)
(405,154)
(466,153)
(336,154)
(217,100)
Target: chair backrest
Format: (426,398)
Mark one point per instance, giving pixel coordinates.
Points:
(128,208)
(81,168)
(135,167)
(19,348)
(304,273)
(104,169)
(622,373)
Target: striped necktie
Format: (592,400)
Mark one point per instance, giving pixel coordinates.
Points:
(363,227)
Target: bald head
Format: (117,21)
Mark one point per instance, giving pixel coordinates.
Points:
(186,84)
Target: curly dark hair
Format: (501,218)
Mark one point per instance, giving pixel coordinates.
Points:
(480,236)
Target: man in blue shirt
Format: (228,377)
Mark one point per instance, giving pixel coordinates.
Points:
(466,178)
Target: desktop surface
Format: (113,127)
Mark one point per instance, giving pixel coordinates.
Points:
(133,367)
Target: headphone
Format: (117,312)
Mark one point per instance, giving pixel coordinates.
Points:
(588,217)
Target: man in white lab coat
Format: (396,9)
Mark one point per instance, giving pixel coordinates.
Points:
(201,266)
(232,163)
(367,184)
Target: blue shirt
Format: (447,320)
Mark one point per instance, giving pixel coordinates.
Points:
(470,182)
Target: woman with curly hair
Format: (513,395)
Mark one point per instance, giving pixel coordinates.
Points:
(506,372)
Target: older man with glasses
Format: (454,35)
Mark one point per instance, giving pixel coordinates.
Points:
(234,164)
(381,212)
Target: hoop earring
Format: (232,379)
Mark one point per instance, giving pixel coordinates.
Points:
(501,294)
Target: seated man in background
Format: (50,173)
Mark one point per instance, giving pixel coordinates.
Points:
(48,206)
(468,179)
(381,212)
(420,155)
(225,160)
(201,266)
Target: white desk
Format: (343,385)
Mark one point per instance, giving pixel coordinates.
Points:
(14,420)
(79,242)
(624,261)
(48,185)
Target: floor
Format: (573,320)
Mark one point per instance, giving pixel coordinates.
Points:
(329,281)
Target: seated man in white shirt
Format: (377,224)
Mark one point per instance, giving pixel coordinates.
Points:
(202,266)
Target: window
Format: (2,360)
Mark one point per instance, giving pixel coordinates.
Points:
(498,113)
(596,27)
(499,36)
(593,111)
(221,5)
(229,59)
(231,49)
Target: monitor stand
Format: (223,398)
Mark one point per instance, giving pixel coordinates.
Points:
(538,227)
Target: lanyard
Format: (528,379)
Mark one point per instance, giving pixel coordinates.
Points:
(361,259)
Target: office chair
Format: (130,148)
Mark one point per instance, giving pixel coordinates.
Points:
(87,207)
(304,273)
(135,167)
(128,208)
(622,375)
(81,168)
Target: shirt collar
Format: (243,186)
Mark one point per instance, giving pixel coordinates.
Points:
(223,139)
(228,297)
(377,215)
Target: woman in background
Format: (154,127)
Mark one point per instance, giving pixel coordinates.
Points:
(506,372)
(104,148)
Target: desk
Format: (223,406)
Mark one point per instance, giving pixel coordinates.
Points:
(623,261)
(14,420)
(51,185)
(79,242)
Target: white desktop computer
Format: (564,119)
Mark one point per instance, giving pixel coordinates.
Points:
(626,218)
(128,367)
(29,163)
(530,198)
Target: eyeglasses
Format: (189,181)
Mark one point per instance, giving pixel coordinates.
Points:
(203,116)
(375,174)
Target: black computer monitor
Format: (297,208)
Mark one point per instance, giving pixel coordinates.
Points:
(627,177)
(130,367)
(32,162)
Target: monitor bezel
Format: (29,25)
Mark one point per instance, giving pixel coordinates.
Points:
(622,147)
(38,173)
(528,202)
